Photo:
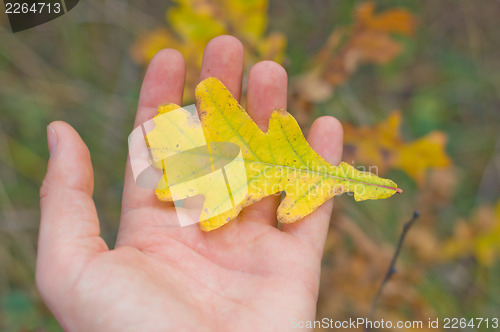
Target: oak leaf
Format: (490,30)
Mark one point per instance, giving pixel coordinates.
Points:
(368,40)
(397,20)
(279,160)
(383,146)
(193,23)
(476,237)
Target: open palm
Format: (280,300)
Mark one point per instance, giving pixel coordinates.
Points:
(246,275)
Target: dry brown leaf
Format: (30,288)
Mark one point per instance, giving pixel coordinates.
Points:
(367,40)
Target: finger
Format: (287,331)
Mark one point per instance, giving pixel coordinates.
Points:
(326,138)
(223,58)
(69,227)
(267,91)
(163,84)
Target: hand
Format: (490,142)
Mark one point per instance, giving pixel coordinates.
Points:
(246,275)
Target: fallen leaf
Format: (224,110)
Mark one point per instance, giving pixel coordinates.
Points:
(193,23)
(371,47)
(368,40)
(382,145)
(275,161)
(395,20)
(477,237)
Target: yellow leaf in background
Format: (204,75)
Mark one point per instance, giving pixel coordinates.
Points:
(150,43)
(383,146)
(478,237)
(272,47)
(428,152)
(193,23)
(249,16)
(275,161)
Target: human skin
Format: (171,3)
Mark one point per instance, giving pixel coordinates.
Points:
(246,275)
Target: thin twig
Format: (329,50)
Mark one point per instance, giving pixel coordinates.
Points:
(392,267)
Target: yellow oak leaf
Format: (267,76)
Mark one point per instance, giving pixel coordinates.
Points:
(193,23)
(382,145)
(279,160)
(478,237)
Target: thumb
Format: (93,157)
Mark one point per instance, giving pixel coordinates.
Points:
(69,227)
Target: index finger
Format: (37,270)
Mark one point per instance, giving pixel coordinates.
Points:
(163,84)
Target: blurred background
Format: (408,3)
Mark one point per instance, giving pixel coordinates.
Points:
(415,83)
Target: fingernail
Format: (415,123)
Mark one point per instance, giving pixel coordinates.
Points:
(51,139)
